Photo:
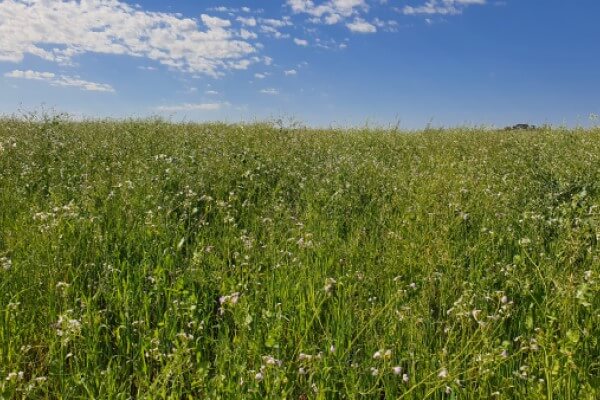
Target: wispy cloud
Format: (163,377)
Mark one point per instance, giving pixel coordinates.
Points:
(301,42)
(230,10)
(273,32)
(443,7)
(359,25)
(270,91)
(328,12)
(60,80)
(248,21)
(193,107)
(330,8)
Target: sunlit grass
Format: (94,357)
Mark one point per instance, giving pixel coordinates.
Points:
(157,260)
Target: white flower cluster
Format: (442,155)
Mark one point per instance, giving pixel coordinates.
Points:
(5,263)
(67,327)
(330,284)
(228,301)
(268,362)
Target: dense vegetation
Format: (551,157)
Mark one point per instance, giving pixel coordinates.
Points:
(143,259)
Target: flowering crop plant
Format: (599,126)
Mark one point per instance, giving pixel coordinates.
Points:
(148,259)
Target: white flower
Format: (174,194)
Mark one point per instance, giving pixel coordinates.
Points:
(14,376)
(332,349)
(534,347)
(397,370)
(305,357)
(405,378)
(314,388)
(385,354)
(443,373)
(271,361)
(184,336)
(230,299)
(74,325)
(66,326)
(5,263)
(524,241)
(329,285)
(259,376)
(301,371)
(374,371)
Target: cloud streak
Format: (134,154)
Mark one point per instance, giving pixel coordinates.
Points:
(270,91)
(60,80)
(193,107)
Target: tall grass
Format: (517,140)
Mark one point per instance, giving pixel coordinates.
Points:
(155,260)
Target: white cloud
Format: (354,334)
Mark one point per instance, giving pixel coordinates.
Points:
(328,12)
(60,80)
(239,64)
(249,21)
(389,26)
(247,35)
(270,91)
(223,9)
(260,76)
(59,30)
(34,75)
(361,26)
(290,72)
(344,8)
(276,23)
(231,10)
(301,42)
(193,107)
(270,30)
(211,92)
(332,19)
(443,7)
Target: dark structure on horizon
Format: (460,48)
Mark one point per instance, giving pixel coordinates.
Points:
(521,127)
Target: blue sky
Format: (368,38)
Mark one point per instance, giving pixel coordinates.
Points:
(321,62)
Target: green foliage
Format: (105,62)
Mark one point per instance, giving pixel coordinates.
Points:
(143,259)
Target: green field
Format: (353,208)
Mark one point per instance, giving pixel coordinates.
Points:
(144,259)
